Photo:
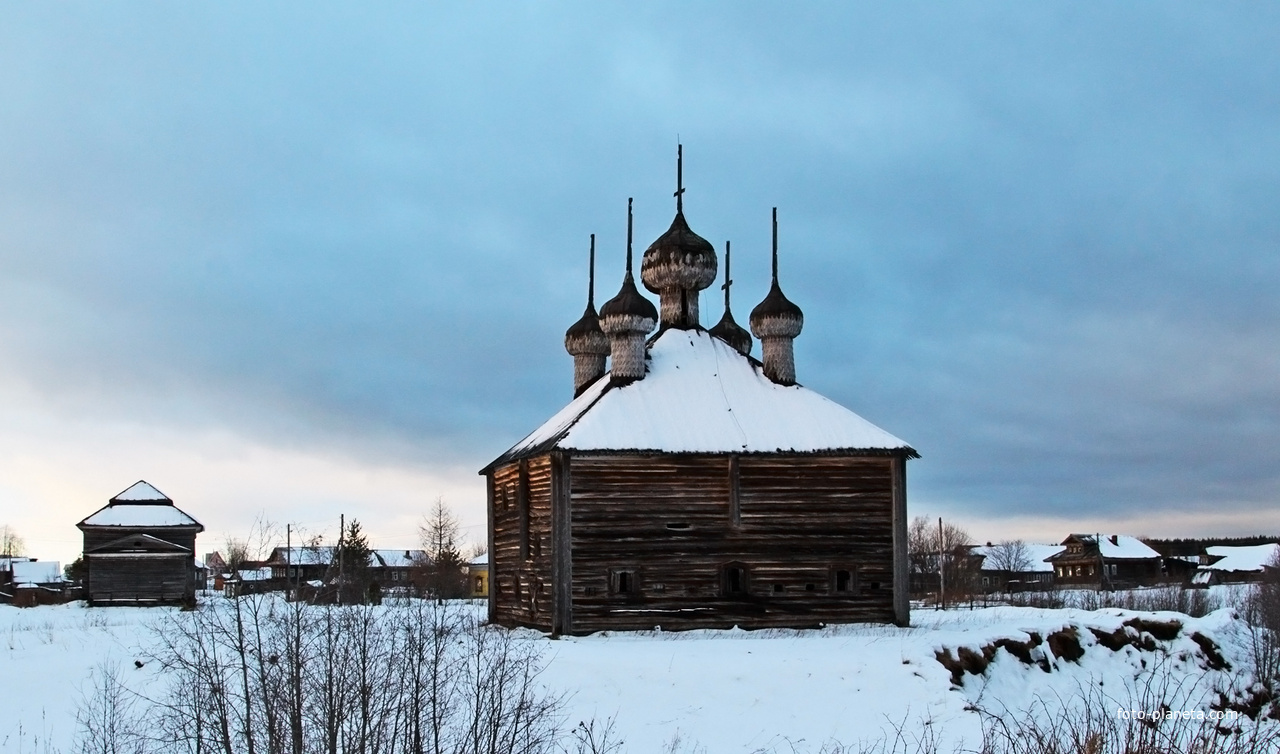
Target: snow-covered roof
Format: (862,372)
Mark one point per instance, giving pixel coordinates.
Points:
(6,563)
(1119,546)
(479,560)
(37,572)
(1036,555)
(1250,558)
(142,492)
(303,556)
(701,396)
(255,574)
(396,558)
(142,515)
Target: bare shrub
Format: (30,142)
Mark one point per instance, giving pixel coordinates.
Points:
(258,674)
(1193,602)
(106,717)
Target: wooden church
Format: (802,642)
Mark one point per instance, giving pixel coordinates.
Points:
(690,485)
(140,550)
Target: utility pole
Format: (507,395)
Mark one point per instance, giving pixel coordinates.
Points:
(288,557)
(942,569)
(342,530)
(1104,579)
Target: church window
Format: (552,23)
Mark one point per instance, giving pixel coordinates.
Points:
(623,582)
(734,580)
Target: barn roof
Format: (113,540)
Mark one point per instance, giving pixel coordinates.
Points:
(140,506)
(701,396)
(141,492)
(1251,558)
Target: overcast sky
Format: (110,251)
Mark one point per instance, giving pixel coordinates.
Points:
(296,260)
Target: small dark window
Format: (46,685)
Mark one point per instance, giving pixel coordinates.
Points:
(811,587)
(875,586)
(624,582)
(844,581)
(735,580)
(777,587)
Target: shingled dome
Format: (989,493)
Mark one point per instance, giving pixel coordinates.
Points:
(679,258)
(585,335)
(679,264)
(727,329)
(628,303)
(776,312)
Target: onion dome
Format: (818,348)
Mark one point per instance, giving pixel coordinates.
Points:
(626,319)
(776,322)
(679,264)
(727,329)
(584,340)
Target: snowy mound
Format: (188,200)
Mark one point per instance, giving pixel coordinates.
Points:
(701,396)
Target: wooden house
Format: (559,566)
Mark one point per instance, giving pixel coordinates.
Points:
(396,569)
(1112,561)
(1224,564)
(292,565)
(1029,571)
(478,577)
(140,550)
(691,485)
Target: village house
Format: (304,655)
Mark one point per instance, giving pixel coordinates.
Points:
(140,550)
(7,563)
(478,576)
(1112,561)
(300,564)
(1223,564)
(1019,568)
(396,569)
(691,485)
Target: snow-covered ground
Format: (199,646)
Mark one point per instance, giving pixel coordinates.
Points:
(733,691)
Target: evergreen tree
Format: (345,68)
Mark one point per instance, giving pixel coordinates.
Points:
(352,561)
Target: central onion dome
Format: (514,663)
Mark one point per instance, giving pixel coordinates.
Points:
(679,264)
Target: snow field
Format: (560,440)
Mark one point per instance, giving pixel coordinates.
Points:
(727,691)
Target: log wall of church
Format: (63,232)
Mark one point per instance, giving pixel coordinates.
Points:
(656,540)
(520,580)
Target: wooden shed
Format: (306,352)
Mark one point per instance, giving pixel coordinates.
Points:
(140,550)
(701,488)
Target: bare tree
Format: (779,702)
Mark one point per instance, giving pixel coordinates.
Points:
(11,545)
(935,551)
(1009,558)
(439,534)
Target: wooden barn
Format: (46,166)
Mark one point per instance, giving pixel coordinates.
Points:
(691,485)
(140,550)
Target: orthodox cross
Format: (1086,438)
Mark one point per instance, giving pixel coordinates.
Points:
(679,195)
(728,281)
